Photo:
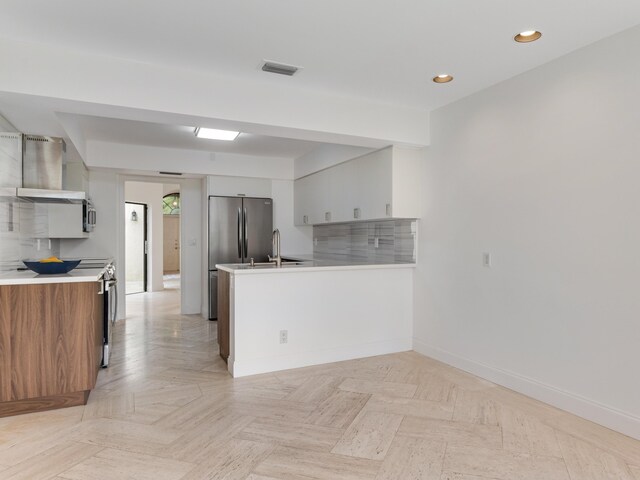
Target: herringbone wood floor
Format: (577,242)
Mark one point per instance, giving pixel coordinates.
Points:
(167,409)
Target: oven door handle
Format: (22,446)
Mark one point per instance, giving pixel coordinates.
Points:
(114,283)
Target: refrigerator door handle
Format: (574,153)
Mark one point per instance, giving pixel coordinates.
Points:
(246,233)
(239,237)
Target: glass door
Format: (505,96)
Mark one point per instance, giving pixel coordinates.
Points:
(136,247)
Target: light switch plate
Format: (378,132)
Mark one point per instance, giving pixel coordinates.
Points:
(486,260)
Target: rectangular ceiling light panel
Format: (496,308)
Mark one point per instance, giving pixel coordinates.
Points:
(215,134)
(279,68)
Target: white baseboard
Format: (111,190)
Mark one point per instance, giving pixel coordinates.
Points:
(583,407)
(255,366)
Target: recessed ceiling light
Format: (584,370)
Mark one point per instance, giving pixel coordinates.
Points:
(214,134)
(527,36)
(443,78)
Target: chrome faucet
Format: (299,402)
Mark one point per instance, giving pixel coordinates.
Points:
(275,239)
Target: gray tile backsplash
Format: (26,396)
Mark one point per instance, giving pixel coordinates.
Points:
(392,241)
(21,225)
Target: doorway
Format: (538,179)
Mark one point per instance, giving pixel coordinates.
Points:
(136,247)
(150,191)
(171,237)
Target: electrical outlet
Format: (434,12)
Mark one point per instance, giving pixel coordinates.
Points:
(486,260)
(284,336)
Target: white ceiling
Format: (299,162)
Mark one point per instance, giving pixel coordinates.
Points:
(375,49)
(34,115)
(378,50)
(182,136)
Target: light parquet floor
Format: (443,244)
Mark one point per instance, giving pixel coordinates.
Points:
(167,409)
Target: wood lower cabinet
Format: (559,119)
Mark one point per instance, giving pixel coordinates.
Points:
(224,284)
(5,344)
(50,345)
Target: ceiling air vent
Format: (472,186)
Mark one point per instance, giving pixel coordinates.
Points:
(279,68)
(170,173)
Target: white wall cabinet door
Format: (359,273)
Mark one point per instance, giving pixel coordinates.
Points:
(320,197)
(381,184)
(311,198)
(373,192)
(342,186)
(302,200)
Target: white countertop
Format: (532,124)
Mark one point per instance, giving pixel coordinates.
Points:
(27,277)
(312,264)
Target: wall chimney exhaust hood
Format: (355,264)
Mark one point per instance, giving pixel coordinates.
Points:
(31,168)
(42,195)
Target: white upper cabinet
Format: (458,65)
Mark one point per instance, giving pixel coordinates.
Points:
(381,184)
(311,198)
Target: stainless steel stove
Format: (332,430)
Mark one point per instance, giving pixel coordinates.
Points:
(110,298)
(110,290)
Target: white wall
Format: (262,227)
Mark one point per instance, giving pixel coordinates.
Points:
(6,126)
(155,159)
(192,262)
(151,195)
(338,315)
(102,243)
(542,171)
(135,262)
(230,186)
(325,156)
(168,188)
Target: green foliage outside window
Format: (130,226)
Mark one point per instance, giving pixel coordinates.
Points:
(171,204)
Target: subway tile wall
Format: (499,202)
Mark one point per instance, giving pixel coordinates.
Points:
(390,241)
(21,224)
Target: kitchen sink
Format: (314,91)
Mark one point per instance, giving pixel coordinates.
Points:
(285,263)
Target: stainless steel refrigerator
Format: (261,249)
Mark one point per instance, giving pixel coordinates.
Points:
(240,228)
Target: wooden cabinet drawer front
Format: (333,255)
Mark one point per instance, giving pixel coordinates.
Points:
(52,332)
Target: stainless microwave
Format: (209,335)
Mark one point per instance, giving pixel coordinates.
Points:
(88,216)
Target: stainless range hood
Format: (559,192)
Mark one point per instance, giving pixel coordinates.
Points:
(31,169)
(50,196)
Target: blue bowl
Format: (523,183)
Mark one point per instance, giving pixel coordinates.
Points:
(53,268)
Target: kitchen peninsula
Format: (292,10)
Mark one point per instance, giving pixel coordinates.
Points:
(51,336)
(313,312)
